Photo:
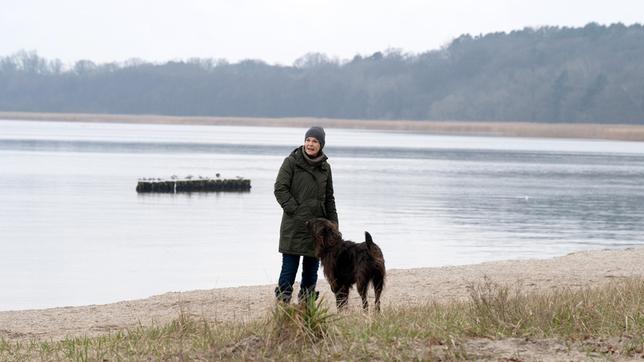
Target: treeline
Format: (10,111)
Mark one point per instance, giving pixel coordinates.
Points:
(548,74)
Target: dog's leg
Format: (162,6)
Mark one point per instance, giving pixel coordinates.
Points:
(362,290)
(342,297)
(378,283)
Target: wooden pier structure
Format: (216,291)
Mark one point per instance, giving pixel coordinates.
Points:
(193,185)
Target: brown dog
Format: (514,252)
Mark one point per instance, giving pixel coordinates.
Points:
(346,263)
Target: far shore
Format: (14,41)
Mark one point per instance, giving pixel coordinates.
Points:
(404,287)
(606,131)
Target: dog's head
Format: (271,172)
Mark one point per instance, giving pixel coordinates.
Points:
(325,234)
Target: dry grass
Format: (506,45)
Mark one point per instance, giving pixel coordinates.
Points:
(511,129)
(606,322)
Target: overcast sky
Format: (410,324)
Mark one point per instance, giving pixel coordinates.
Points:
(276,31)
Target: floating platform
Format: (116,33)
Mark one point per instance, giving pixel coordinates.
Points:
(198,185)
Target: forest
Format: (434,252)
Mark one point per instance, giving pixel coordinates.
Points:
(590,74)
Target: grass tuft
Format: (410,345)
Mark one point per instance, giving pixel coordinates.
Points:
(305,323)
(603,322)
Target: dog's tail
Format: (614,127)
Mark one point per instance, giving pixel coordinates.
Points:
(368,240)
(373,248)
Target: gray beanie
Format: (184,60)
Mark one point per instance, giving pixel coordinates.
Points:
(317,133)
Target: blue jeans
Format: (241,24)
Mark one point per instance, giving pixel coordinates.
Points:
(290,263)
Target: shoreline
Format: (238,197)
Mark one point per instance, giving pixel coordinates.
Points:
(404,287)
(602,131)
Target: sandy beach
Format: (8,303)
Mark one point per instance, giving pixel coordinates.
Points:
(404,287)
(607,131)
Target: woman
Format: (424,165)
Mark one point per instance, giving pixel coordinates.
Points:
(304,190)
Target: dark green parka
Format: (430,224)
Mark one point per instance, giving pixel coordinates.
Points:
(304,192)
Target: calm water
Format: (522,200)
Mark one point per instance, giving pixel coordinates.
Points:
(73,230)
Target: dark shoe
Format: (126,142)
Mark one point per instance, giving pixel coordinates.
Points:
(283,296)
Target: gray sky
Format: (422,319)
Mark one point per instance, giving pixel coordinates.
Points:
(276,31)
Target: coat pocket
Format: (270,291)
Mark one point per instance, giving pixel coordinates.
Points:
(305,212)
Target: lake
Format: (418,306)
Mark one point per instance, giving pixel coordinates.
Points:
(73,230)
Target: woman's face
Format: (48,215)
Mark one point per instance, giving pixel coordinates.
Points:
(311,146)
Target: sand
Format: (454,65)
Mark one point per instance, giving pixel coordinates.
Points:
(404,287)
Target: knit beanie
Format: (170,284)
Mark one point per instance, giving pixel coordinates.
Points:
(317,133)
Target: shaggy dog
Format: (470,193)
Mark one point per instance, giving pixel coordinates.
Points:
(346,263)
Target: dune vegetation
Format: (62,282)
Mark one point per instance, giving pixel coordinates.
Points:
(496,321)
